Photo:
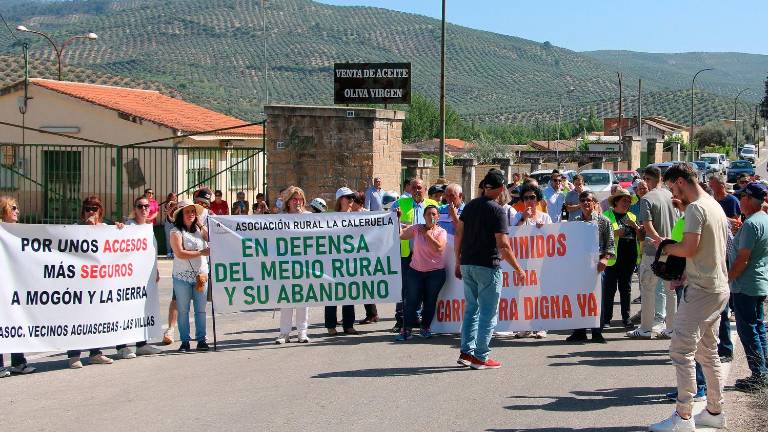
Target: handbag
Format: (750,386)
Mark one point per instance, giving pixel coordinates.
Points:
(669,267)
(201,279)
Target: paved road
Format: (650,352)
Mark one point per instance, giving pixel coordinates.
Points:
(364,382)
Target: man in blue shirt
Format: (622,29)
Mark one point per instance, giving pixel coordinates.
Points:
(374,195)
(749,285)
(449,213)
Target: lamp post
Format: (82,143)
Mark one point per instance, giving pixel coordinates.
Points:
(559,117)
(690,136)
(59,49)
(441,168)
(735,125)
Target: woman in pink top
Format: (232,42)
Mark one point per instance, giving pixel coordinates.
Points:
(426,275)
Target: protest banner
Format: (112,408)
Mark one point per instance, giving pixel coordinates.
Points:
(559,288)
(77,287)
(311,259)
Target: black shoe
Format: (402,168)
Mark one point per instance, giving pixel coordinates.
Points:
(637,301)
(599,339)
(397,328)
(577,337)
(726,359)
(184,347)
(627,324)
(751,384)
(202,346)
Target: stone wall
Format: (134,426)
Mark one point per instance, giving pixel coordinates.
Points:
(321,149)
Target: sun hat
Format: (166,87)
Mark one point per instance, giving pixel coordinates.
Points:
(344,191)
(620,192)
(186,203)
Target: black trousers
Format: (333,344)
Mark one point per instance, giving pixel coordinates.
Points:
(17,359)
(347,316)
(618,276)
(370,310)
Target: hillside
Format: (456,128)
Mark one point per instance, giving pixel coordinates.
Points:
(211,51)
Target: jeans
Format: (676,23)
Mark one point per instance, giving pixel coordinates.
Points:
(482,289)
(725,345)
(405,264)
(657,302)
(701,382)
(751,329)
(17,359)
(347,316)
(422,287)
(185,292)
(617,276)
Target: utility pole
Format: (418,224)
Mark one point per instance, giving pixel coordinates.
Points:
(266,65)
(441,169)
(621,106)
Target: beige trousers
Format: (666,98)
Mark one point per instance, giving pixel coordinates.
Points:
(649,288)
(695,337)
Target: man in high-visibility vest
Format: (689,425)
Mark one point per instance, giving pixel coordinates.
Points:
(410,210)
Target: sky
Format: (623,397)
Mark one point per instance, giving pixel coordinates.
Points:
(647,25)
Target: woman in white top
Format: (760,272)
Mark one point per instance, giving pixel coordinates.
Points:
(530,195)
(294,201)
(189,241)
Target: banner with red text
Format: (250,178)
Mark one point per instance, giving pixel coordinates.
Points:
(560,288)
(77,287)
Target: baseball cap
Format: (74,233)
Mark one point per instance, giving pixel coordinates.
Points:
(755,190)
(436,189)
(494,179)
(203,195)
(345,191)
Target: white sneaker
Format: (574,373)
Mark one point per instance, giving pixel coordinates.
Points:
(147,350)
(283,338)
(101,359)
(675,423)
(541,334)
(4,372)
(303,338)
(640,334)
(126,354)
(505,333)
(75,363)
(704,418)
(665,334)
(523,334)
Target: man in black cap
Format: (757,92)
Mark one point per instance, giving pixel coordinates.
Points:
(436,192)
(480,245)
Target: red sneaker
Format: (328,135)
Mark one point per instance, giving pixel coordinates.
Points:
(464,359)
(487,364)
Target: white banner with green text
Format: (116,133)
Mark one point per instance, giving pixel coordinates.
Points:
(310,259)
(77,287)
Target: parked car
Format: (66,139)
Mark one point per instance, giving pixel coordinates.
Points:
(718,161)
(704,169)
(625,178)
(598,181)
(543,176)
(748,153)
(738,168)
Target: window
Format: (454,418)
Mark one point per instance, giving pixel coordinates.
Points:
(200,168)
(242,169)
(594,179)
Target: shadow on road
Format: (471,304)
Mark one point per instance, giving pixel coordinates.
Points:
(391,372)
(562,429)
(615,358)
(594,400)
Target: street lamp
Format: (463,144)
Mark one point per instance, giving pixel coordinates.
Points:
(559,116)
(735,126)
(690,136)
(58,49)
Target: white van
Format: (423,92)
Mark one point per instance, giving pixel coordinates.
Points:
(718,161)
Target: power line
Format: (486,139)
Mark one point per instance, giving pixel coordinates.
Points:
(9,28)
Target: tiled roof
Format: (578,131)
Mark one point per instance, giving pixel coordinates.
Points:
(562,145)
(152,106)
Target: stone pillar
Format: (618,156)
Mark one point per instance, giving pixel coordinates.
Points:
(468,183)
(411,167)
(506,165)
(651,150)
(535,164)
(632,151)
(597,162)
(423,171)
(321,149)
(616,164)
(676,151)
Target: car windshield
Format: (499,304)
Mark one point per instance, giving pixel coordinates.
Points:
(700,165)
(593,179)
(747,150)
(710,159)
(741,164)
(624,177)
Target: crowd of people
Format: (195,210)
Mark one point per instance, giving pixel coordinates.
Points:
(721,233)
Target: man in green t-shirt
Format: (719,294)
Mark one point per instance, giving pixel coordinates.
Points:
(749,284)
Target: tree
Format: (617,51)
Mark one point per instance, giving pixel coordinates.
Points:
(710,135)
(485,148)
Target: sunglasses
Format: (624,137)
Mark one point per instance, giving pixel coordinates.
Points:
(585,200)
(529,198)
(91,209)
(142,206)
(14,208)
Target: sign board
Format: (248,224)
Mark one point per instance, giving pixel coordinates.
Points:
(372,83)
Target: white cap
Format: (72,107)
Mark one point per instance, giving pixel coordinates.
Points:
(345,191)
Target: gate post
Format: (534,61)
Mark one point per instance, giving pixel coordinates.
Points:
(118,210)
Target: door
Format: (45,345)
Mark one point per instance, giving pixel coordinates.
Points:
(61,186)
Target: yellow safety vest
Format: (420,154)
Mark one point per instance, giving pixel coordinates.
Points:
(614,226)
